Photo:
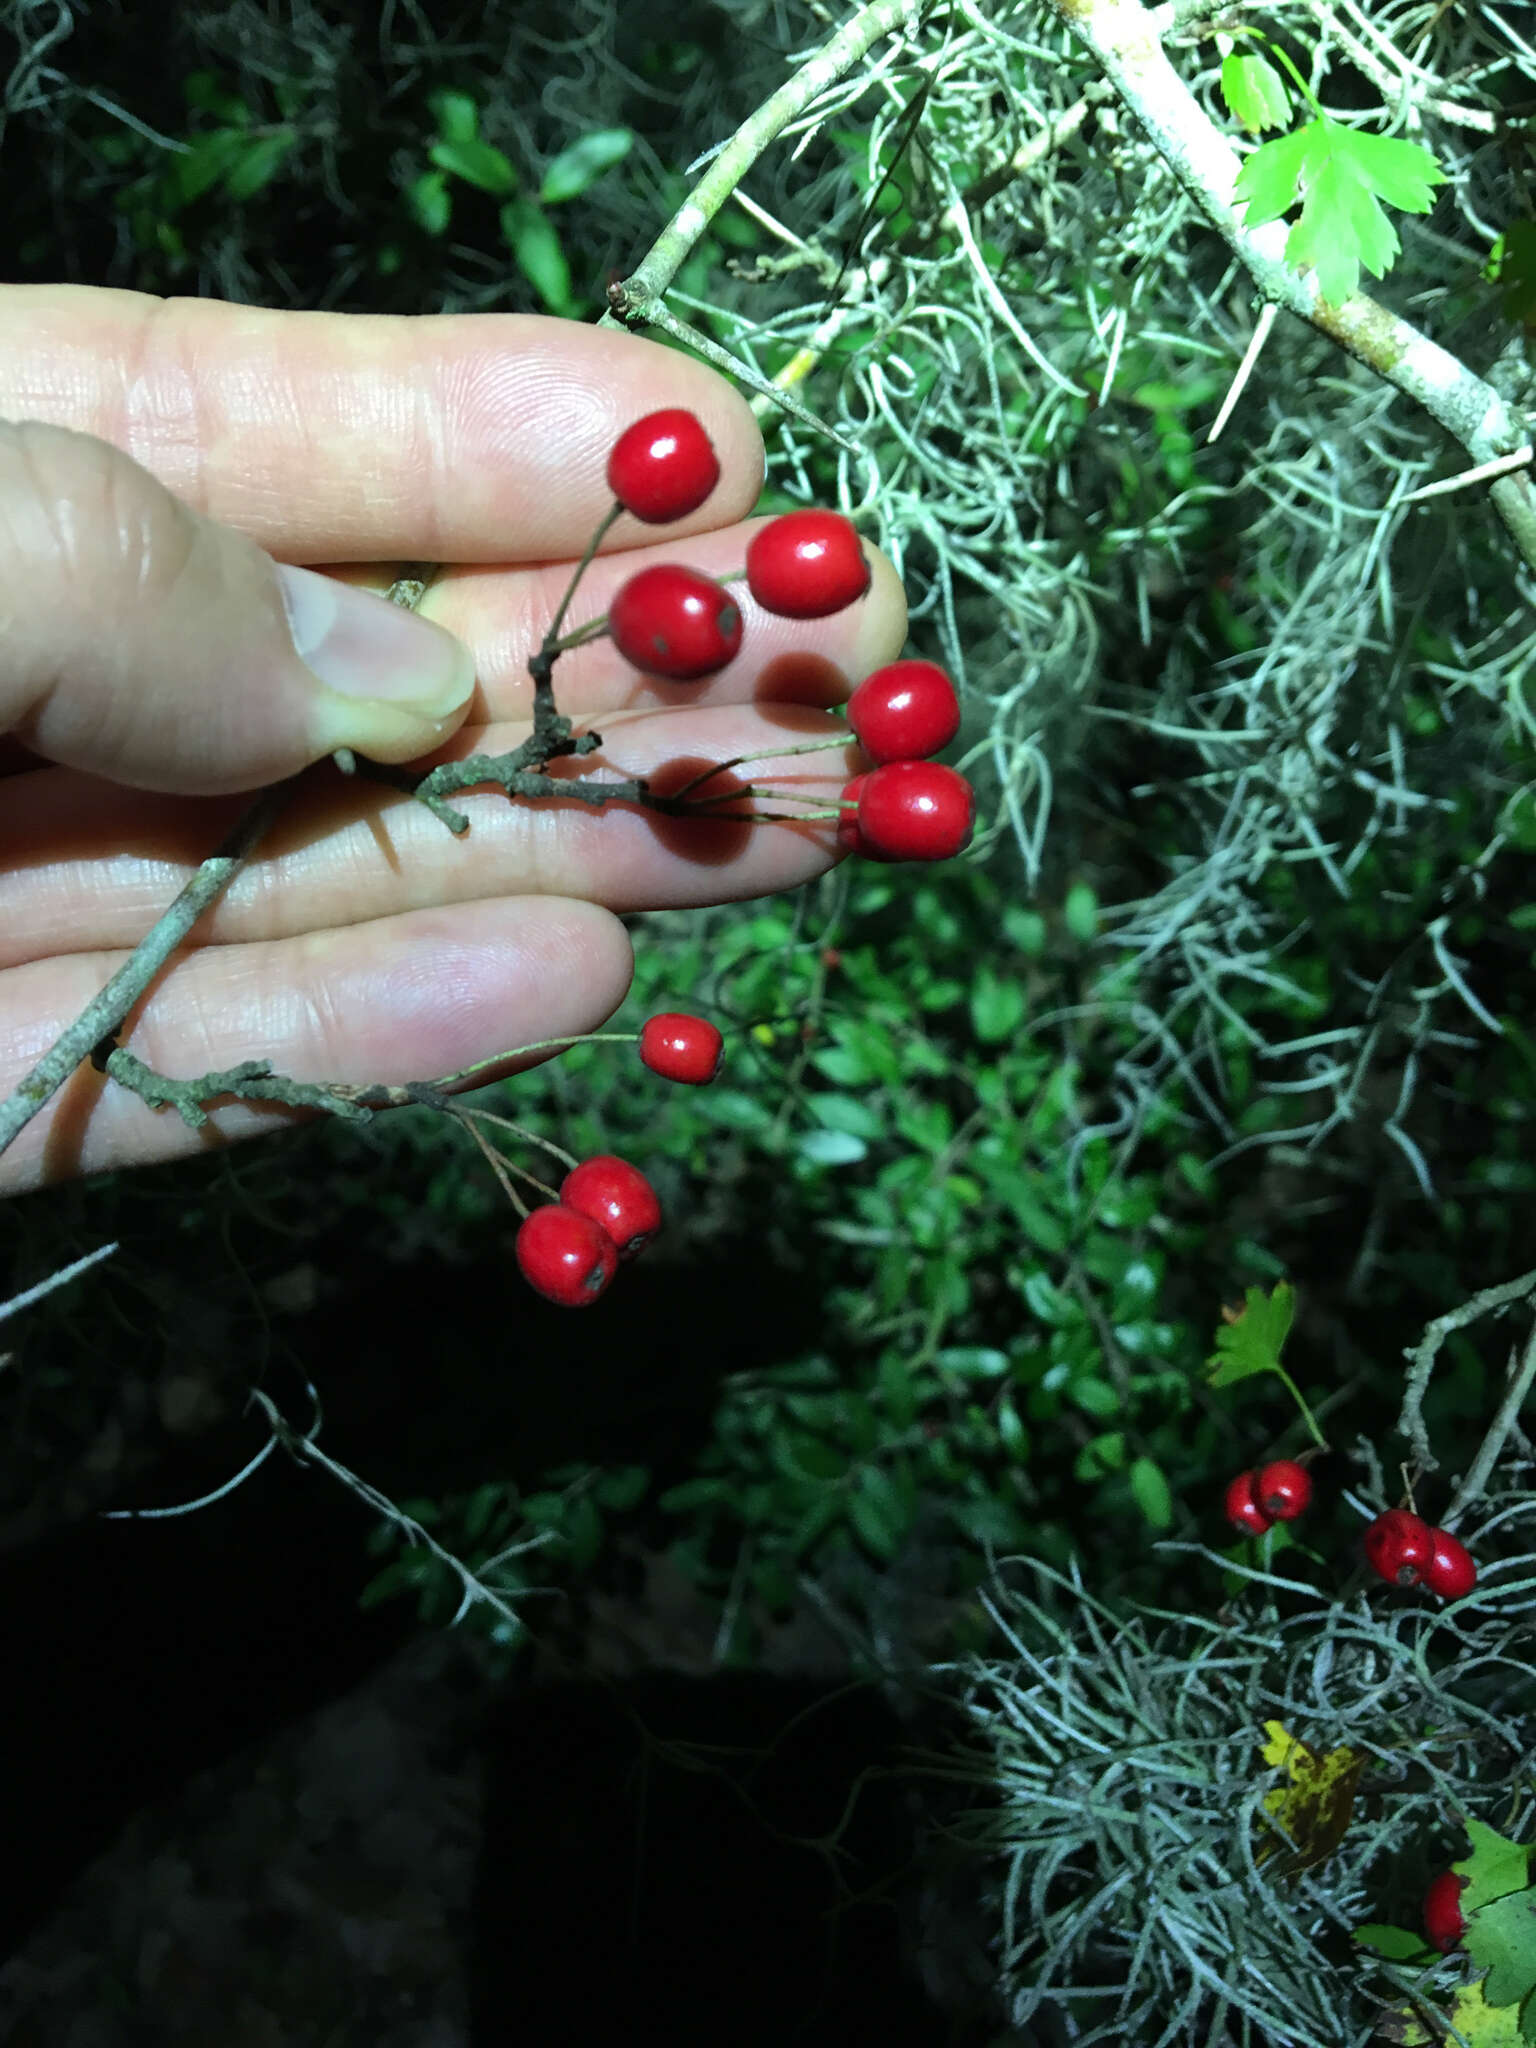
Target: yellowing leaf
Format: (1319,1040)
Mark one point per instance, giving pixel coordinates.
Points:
(1482,2024)
(1314,1808)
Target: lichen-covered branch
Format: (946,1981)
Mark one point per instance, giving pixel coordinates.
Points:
(1123,38)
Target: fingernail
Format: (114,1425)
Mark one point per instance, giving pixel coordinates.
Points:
(361,645)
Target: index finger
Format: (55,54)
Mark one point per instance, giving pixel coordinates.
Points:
(354,437)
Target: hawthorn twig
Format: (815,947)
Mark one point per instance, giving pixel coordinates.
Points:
(1123,38)
(1491,1301)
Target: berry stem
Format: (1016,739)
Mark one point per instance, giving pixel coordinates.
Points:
(837,739)
(1306,1413)
(505,1123)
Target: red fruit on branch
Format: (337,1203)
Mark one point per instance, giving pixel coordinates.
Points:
(1449,1570)
(675,622)
(568,1258)
(805,565)
(904,711)
(1443,1921)
(1241,1506)
(681,1048)
(663,467)
(1398,1545)
(617,1197)
(1283,1489)
(916,810)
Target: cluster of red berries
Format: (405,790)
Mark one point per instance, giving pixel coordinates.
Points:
(1399,1546)
(678,623)
(606,1211)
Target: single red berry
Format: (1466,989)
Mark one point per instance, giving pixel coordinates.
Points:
(675,622)
(904,711)
(1443,1921)
(617,1197)
(566,1256)
(663,467)
(1398,1545)
(1450,1571)
(1241,1506)
(916,810)
(681,1048)
(1283,1489)
(804,565)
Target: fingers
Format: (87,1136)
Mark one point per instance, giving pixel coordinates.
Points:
(426,993)
(86,867)
(150,644)
(331,437)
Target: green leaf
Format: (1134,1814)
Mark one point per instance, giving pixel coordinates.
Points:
(1270,179)
(1493,1866)
(429,201)
(477,163)
(1080,912)
(623,1488)
(972,1361)
(1254,90)
(209,157)
(458,118)
(997,1006)
(260,164)
(1151,1492)
(831,1148)
(1396,1943)
(574,169)
(1341,176)
(878,1514)
(1250,1339)
(539,255)
(845,1113)
(1501,1937)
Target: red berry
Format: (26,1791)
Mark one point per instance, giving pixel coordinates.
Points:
(663,467)
(904,711)
(1283,1489)
(1241,1507)
(675,622)
(1398,1545)
(567,1257)
(617,1197)
(681,1048)
(804,565)
(916,810)
(1443,1921)
(1450,1571)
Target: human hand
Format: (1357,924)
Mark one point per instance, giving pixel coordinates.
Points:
(150,673)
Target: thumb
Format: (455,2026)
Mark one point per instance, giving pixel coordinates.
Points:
(153,646)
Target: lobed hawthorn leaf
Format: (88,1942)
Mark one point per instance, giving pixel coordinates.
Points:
(1340,177)
(1250,1339)
(1501,1937)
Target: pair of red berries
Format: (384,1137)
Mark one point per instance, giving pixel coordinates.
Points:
(569,1250)
(1404,1550)
(906,807)
(607,1210)
(1277,1492)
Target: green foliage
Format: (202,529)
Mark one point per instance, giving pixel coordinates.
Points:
(1251,1338)
(1254,90)
(1340,177)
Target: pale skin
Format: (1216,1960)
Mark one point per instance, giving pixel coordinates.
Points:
(365,942)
